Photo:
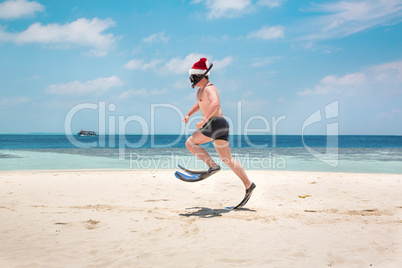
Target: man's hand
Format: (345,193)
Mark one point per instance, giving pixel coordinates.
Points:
(201,123)
(185,119)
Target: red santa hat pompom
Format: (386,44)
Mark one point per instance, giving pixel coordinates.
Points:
(200,67)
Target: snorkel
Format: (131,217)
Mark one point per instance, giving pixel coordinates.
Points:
(194,78)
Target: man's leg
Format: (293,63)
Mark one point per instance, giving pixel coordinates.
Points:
(193,145)
(223,149)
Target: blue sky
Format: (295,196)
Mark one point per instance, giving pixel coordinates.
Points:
(276,62)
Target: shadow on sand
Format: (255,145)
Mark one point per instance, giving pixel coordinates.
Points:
(203,212)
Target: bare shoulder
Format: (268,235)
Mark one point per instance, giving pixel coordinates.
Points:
(211,91)
(210,88)
(210,85)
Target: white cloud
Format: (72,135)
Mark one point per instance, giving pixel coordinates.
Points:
(133,64)
(227,9)
(98,85)
(271,3)
(14,9)
(181,84)
(268,33)
(388,76)
(142,93)
(235,8)
(388,72)
(385,78)
(82,32)
(141,65)
(220,64)
(394,113)
(180,66)
(247,94)
(260,62)
(13,101)
(333,84)
(346,17)
(156,38)
(151,65)
(176,65)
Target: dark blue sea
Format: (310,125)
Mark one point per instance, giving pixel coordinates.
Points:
(373,154)
(17,141)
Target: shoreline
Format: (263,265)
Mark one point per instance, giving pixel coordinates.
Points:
(35,171)
(107,218)
(378,162)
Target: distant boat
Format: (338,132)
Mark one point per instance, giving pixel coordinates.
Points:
(86,133)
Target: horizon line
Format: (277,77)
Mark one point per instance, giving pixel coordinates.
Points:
(267,134)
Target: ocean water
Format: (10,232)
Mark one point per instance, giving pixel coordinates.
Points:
(363,154)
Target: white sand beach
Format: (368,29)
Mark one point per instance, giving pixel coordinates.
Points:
(138,218)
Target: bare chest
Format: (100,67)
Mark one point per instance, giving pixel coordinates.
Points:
(202,98)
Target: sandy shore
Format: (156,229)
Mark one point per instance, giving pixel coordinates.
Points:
(144,219)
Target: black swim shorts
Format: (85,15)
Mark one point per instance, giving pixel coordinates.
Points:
(216,128)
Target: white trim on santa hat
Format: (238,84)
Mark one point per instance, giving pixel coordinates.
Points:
(199,71)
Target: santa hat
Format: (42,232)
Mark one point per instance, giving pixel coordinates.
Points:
(200,67)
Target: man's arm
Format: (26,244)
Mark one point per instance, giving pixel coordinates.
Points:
(192,111)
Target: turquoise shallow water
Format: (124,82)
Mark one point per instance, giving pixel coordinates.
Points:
(359,160)
(31,160)
(373,154)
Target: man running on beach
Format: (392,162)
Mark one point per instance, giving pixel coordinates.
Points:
(212,127)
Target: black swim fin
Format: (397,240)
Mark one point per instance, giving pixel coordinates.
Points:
(196,175)
(187,178)
(212,170)
(249,191)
